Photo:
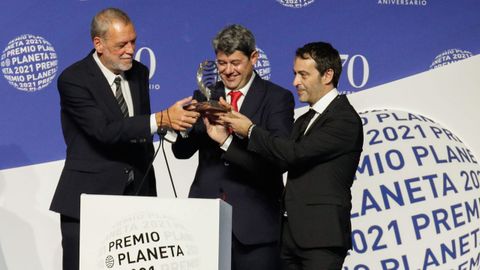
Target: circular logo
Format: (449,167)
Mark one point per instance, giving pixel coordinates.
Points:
(29,63)
(263,65)
(295,3)
(450,56)
(109,261)
(415,198)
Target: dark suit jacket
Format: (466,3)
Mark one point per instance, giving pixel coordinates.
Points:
(321,167)
(244,179)
(102,145)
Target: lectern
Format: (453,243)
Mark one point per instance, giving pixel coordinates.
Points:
(149,233)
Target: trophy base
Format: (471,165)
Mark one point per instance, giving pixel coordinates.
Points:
(211,106)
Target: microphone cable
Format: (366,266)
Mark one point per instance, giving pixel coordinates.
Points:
(168,169)
(149,167)
(165,157)
(161,133)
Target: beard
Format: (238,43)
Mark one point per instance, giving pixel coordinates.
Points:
(121,66)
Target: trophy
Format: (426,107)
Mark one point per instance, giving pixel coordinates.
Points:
(207,76)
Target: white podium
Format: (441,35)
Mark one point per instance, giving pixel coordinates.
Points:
(149,233)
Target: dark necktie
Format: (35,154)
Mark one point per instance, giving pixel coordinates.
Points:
(235,96)
(306,120)
(119,96)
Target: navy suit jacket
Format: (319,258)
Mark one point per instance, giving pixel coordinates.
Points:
(243,179)
(321,167)
(102,146)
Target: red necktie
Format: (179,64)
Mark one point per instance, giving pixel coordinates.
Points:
(234,97)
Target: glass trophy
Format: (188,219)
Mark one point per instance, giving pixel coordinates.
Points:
(207,77)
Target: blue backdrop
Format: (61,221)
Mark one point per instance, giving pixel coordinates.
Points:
(380,41)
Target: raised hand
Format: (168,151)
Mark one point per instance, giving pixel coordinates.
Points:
(238,122)
(177,116)
(217,132)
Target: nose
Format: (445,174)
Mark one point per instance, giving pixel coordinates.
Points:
(229,68)
(296,81)
(130,48)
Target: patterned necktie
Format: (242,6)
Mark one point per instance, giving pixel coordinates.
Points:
(306,120)
(119,96)
(234,97)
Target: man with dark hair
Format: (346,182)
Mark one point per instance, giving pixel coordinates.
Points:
(321,157)
(107,125)
(226,169)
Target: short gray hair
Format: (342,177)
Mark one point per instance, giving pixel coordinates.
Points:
(232,38)
(102,21)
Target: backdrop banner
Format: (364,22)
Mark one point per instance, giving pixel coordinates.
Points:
(410,68)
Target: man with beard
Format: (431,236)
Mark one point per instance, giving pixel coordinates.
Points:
(107,125)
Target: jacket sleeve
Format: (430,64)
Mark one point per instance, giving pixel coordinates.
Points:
(338,134)
(278,122)
(185,148)
(80,103)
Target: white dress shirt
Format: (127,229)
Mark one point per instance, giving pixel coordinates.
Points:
(127,95)
(321,105)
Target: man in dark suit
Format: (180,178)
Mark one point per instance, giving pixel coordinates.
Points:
(321,157)
(226,169)
(107,125)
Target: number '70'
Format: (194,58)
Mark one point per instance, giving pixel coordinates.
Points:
(350,62)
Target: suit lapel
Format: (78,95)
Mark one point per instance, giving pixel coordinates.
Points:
(321,118)
(297,126)
(102,90)
(254,97)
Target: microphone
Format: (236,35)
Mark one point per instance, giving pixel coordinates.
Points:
(162,131)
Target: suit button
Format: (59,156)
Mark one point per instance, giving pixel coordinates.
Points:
(126,170)
(226,164)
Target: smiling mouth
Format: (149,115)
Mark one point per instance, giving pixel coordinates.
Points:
(231,78)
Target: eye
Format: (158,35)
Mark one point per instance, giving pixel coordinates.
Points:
(120,46)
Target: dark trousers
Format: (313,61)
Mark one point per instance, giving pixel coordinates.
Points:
(70,228)
(297,258)
(255,257)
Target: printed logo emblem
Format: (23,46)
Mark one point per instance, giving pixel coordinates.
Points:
(149,241)
(263,65)
(29,63)
(415,196)
(450,56)
(295,3)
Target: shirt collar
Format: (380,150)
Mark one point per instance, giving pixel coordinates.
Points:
(323,102)
(109,75)
(244,89)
